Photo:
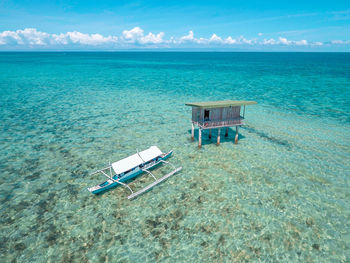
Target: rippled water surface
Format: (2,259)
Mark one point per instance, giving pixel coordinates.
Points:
(280,195)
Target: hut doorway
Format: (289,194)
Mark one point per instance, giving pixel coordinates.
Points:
(206,115)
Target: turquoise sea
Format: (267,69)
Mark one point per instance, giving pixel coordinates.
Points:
(282,194)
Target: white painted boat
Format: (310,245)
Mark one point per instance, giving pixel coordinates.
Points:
(120,172)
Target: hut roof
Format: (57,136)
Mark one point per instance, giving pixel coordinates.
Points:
(220,104)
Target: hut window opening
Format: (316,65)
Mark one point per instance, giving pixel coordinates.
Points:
(206,115)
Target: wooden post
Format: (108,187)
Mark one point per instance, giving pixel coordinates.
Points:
(218,141)
(226,133)
(192,133)
(209,133)
(199,137)
(236,137)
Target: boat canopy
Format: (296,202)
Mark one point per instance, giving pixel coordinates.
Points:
(136,160)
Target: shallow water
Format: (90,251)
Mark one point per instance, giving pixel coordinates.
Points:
(280,195)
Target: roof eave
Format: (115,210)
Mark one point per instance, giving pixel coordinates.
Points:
(219,104)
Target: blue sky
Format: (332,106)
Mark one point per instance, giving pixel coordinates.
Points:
(213,25)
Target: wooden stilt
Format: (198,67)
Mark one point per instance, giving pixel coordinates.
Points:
(226,133)
(192,133)
(209,133)
(199,138)
(236,137)
(218,141)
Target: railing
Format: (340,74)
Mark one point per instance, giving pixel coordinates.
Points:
(223,123)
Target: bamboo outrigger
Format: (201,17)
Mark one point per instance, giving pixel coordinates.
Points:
(118,173)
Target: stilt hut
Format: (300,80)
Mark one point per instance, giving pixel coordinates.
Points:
(216,115)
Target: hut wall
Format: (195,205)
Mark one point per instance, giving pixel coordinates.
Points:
(216,114)
(232,113)
(196,112)
(229,113)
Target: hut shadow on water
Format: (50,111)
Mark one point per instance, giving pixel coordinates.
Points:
(268,137)
(214,135)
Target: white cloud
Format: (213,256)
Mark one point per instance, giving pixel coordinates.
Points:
(136,38)
(243,40)
(87,39)
(316,44)
(230,41)
(9,37)
(60,39)
(32,37)
(301,43)
(284,41)
(337,42)
(340,42)
(270,41)
(187,38)
(133,35)
(152,38)
(260,34)
(28,36)
(215,39)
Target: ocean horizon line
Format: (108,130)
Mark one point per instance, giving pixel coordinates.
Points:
(161,51)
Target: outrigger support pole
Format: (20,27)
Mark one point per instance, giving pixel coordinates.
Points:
(153,184)
(157,181)
(98,171)
(117,181)
(145,170)
(168,163)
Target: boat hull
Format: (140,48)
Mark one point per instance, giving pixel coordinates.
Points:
(109,184)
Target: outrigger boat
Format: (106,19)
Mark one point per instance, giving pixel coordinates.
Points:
(118,173)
